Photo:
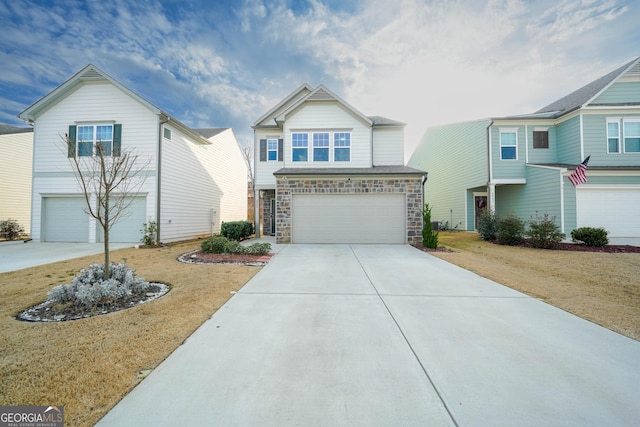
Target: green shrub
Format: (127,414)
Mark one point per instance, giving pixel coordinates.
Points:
(214,245)
(150,233)
(233,247)
(487,225)
(544,233)
(237,230)
(510,230)
(10,229)
(429,237)
(590,236)
(257,249)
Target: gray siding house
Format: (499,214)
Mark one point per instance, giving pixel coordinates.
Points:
(326,173)
(520,164)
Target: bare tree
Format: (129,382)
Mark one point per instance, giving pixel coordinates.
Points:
(247,153)
(112,178)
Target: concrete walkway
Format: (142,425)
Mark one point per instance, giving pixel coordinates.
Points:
(368,335)
(16,255)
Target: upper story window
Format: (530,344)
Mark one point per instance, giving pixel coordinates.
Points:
(623,135)
(90,140)
(167,133)
(300,147)
(321,147)
(272,150)
(508,144)
(540,139)
(342,146)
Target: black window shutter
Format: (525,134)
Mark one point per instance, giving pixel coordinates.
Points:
(280,148)
(117,140)
(71,141)
(263,150)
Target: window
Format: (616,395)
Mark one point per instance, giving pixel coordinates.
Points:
(540,139)
(631,132)
(508,144)
(342,147)
(167,133)
(321,147)
(300,147)
(272,149)
(613,136)
(87,140)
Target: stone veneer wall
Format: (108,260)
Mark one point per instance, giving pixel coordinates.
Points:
(267,195)
(410,186)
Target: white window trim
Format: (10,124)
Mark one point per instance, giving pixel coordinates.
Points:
(299,148)
(95,140)
(334,146)
(331,147)
(276,149)
(622,135)
(618,121)
(508,130)
(328,147)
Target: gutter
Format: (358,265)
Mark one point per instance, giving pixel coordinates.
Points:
(159,174)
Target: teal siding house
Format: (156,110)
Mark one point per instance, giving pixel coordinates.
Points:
(521,164)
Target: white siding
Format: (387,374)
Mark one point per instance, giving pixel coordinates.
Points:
(263,171)
(202,185)
(328,116)
(16,161)
(93,102)
(388,146)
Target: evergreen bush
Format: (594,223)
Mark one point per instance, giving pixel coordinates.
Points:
(544,233)
(510,230)
(487,225)
(591,236)
(222,245)
(237,230)
(150,233)
(10,229)
(429,237)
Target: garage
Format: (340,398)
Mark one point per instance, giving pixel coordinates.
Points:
(65,220)
(613,208)
(349,218)
(127,229)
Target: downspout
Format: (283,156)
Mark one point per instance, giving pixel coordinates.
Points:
(159,175)
(490,187)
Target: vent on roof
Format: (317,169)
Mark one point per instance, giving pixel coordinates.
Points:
(321,95)
(91,74)
(633,71)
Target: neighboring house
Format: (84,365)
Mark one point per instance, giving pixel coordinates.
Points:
(325,173)
(16,157)
(194,179)
(520,164)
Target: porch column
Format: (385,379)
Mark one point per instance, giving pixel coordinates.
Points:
(256,211)
(491,190)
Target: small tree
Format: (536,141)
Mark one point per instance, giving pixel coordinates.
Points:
(429,237)
(487,225)
(510,230)
(112,177)
(543,232)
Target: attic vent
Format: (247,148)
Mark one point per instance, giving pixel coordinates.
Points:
(634,71)
(321,95)
(91,74)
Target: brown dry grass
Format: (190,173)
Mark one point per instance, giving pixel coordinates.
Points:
(88,365)
(601,287)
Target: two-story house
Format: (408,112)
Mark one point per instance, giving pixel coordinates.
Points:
(520,164)
(326,173)
(194,180)
(16,154)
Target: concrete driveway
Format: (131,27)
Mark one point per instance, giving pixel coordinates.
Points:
(16,255)
(370,335)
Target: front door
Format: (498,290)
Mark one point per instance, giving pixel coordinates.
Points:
(480,203)
(273,217)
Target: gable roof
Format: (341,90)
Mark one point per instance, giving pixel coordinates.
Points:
(321,94)
(210,132)
(582,96)
(91,73)
(289,99)
(6,129)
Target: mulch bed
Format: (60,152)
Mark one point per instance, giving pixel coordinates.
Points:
(561,247)
(197,257)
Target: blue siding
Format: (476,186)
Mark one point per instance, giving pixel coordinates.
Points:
(540,195)
(568,140)
(543,155)
(595,142)
(508,169)
(455,156)
(619,93)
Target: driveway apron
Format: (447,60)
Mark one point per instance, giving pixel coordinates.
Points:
(386,335)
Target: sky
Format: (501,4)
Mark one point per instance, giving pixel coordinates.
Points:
(224,63)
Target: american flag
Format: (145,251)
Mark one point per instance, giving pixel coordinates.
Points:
(579,176)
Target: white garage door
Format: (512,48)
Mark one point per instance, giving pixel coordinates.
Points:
(348,218)
(615,209)
(127,229)
(64,219)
